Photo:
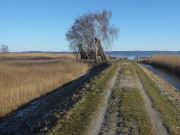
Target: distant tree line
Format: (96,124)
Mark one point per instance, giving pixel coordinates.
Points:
(4,49)
(91,34)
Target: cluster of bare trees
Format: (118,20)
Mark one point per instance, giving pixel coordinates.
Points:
(91,33)
(4,49)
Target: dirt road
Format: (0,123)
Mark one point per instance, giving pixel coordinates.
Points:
(118,120)
(98,117)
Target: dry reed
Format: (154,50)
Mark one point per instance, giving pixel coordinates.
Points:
(22,80)
(169,62)
(35,55)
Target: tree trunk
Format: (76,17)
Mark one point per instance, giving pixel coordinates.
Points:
(96,60)
(101,51)
(77,56)
(82,53)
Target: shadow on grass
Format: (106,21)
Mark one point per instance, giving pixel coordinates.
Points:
(43,113)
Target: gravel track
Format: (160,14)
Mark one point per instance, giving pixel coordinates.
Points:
(110,126)
(98,117)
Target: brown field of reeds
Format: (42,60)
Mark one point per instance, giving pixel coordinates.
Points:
(169,62)
(35,55)
(28,76)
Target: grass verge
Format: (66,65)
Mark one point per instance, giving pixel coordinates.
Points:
(78,123)
(165,106)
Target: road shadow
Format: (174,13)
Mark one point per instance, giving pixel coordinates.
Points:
(42,114)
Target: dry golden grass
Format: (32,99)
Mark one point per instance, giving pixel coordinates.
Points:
(35,55)
(170,62)
(22,80)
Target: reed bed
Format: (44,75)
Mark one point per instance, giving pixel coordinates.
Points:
(36,55)
(22,80)
(169,62)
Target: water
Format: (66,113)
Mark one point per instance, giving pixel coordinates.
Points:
(133,54)
(172,78)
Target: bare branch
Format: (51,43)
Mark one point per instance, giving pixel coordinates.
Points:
(92,32)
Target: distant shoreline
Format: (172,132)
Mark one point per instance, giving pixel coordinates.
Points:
(75,52)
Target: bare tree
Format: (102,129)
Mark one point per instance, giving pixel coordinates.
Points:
(4,49)
(91,34)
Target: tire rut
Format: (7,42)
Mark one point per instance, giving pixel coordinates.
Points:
(98,117)
(109,125)
(155,116)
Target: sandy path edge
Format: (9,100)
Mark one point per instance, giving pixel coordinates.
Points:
(98,116)
(155,116)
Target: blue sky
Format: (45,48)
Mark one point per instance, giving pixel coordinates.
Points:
(40,25)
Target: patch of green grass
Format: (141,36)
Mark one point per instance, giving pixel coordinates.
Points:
(81,117)
(133,110)
(167,109)
(131,107)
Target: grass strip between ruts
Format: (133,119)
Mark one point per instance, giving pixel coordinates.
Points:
(133,114)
